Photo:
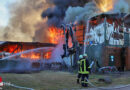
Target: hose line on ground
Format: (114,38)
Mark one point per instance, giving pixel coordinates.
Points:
(103,88)
(15,86)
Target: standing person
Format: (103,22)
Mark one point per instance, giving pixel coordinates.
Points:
(79,68)
(85,69)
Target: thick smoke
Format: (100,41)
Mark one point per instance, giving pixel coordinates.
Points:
(77,14)
(56,14)
(121,6)
(27,24)
(30,19)
(25,15)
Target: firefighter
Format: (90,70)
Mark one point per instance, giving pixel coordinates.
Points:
(79,69)
(85,69)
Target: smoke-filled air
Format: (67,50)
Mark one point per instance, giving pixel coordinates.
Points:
(25,15)
(31,19)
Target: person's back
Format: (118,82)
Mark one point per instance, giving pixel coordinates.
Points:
(79,68)
(85,70)
(84,66)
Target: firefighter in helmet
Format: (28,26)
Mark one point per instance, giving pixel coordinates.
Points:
(85,69)
(79,68)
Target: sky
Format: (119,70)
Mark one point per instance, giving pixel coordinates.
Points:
(4,11)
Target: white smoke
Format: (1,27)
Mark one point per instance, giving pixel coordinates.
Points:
(121,6)
(57,53)
(80,13)
(25,20)
(77,14)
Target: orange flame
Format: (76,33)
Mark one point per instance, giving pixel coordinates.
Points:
(36,56)
(47,55)
(32,56)
(55,35)
(12,49)
(105,5)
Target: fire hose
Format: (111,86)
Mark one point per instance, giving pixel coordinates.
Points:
(15,86)
(103,88)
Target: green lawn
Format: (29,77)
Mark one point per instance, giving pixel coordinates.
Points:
(51,80)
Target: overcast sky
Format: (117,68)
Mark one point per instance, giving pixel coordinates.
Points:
(4,11)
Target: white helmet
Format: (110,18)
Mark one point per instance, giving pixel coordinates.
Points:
(80,56)
(85,55)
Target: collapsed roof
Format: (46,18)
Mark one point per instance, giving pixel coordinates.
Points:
(117,18)
(13,47)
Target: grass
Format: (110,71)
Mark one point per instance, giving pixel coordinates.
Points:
(46,80)
(51,80)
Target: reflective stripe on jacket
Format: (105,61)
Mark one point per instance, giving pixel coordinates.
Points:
(79,69)
(84,66)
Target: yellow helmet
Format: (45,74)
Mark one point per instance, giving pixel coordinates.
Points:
(80,56)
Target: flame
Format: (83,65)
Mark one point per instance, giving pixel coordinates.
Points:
(55,35)
(12,49)
(79,33)
(70,44)
(32,56)
(105,5)
(36,56)
(47,55)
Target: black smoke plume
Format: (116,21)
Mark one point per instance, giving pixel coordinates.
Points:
(56,14)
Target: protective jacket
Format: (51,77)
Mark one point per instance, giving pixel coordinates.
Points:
(79,68)
(84,66)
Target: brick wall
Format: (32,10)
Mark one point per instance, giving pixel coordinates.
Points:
(116,52)
(128,58)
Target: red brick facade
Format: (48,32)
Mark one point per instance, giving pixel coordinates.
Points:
(128,58)
(116,52)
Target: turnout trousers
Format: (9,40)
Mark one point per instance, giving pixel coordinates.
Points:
(84,81)
(78,77)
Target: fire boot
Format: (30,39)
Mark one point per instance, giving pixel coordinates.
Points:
(82,83)
(85,84)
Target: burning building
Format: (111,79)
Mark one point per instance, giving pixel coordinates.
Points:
(110,35)
(24,56)
(72,26)
(8,48)
(105,38)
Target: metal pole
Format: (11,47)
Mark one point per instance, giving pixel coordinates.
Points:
(105,28)
(105,51)
(86,33)
(64,27)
